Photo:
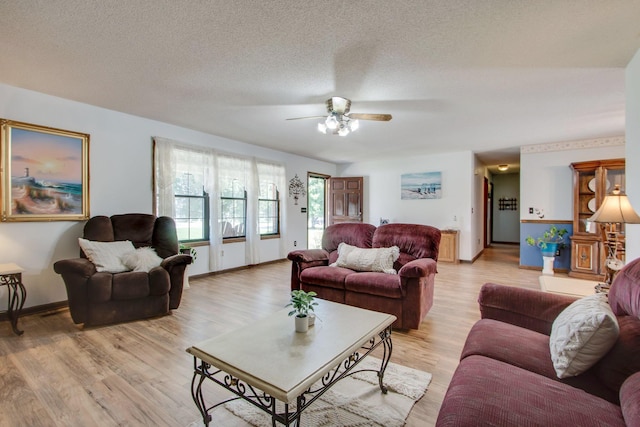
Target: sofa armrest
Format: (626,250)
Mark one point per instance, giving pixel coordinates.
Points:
(179,259)
(309,255)
(528,308)
(305,258)
(76,266)
(421,267)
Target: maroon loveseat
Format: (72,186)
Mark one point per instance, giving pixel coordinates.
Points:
(506,376)
(408,295)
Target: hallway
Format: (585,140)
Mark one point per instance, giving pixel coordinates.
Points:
(502,253)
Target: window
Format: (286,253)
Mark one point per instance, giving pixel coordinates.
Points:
(233,210)
(192,214)
(271,177)
(269,210)
(244,205)
(190,197)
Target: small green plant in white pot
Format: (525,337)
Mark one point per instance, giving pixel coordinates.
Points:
(302,303)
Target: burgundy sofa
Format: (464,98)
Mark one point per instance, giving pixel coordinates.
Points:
(98,298)
(506,376)
(407,295)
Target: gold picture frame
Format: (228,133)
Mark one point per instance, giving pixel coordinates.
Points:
(44,173)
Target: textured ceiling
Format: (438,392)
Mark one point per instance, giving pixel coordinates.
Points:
(477,75)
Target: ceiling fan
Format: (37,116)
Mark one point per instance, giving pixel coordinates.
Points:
(340,121)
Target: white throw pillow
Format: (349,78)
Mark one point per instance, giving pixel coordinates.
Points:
(582,334)
(106,256)
(142,259)
(367,259)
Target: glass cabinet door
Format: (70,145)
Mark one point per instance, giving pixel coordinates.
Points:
(587,200)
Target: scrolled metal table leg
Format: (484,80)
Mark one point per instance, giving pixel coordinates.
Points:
(388,348)
(196,393)
(15,299)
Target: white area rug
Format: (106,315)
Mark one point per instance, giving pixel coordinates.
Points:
(567,286)
(355,401)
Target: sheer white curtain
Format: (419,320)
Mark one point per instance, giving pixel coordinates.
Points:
(164,175)
(172,158)
(240,170)
(275,173)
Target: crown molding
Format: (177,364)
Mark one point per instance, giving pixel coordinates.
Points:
(573,145)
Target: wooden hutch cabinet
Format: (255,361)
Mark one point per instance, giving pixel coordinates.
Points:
(592,181)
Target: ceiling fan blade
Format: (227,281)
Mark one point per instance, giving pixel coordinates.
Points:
(309,117)
(366,116)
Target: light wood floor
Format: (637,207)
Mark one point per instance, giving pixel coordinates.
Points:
(138,374)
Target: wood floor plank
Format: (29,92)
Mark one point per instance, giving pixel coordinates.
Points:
(138,373)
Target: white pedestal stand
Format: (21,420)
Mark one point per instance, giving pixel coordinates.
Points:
(547,262)
(185,280)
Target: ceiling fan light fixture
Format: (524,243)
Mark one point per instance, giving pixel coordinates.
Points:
(331,122)
(340,120)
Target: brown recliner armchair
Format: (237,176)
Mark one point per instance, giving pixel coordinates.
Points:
(97,298)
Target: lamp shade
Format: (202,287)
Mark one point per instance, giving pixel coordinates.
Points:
(616,208)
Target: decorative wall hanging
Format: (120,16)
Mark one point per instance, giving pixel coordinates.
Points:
(45,173)
(296,188)
(508,204)
(425,185)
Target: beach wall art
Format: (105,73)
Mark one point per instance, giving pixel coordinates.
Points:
(423,185)
(45,173)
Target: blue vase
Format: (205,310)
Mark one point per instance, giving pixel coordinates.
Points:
(550,250)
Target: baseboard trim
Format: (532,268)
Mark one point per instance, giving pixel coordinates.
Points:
(242,267)
(44,309)
(533,267)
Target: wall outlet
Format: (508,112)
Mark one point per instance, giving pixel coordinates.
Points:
(221,253)
(295,243)
(530,210)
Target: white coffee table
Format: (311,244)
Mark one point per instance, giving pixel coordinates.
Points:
(267,361)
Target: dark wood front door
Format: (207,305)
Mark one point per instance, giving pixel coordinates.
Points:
(345,199)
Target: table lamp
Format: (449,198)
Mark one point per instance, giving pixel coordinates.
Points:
(615,209)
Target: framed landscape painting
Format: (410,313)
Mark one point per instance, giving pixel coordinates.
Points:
(45,173)
(424,185)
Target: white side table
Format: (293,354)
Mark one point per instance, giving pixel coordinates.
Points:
(11,277)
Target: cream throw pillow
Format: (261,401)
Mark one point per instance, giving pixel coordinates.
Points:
(582,334)
(107,256)
(367,259)
(142,259)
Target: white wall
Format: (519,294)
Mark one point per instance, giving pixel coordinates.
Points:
(476,238)
(120,182)
(382,193)
(633,151)
(546,179)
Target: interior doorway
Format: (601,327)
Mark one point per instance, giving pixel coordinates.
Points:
(505,208)
(316,208)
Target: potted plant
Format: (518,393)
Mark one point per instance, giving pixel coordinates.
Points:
(302,303)
(549,243)
(186,250)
